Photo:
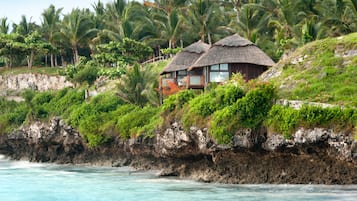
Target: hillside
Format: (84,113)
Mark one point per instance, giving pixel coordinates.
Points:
(321,71)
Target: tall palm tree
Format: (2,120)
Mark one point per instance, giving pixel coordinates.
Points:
(252,21)
(76,30)
(167,17)
(339,15)
(4,26)
(121,17)
(51,27)
(203,18)
(25,27)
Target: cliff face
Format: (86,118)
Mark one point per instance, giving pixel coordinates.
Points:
(40,82)
(312,156)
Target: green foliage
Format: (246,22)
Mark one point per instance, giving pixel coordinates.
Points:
(137,86)
(113,73)
(132,122)
(86,75)
(321,75)
(247,112)
(128,51)
(65,101)
(82,72)
(286,120)
(212,100)
(12,115)
(177,100)
(283,120)
(168,51)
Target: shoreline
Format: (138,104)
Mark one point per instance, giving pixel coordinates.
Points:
(328,159)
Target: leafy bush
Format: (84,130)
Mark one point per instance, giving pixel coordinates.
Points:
(206,104)
(65,101)
(283,119)
(248,112)
(177,101)
(86,75)
(286,120)
(12,115)
(129,124)
(90,118)
(42,98)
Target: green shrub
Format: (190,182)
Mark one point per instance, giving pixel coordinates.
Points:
(65,101)
(105,102)
(254,107)
(224,124)
(177,101)
(129,123)
(86,75)
(286,120)
(18,115)
(206,104)
(248,112)
(42,98)
(282,119)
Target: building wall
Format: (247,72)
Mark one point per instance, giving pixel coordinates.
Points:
(249,71)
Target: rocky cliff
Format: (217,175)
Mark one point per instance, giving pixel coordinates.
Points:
(312,156)
(40,82)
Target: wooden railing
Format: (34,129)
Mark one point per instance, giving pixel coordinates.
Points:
(159,58)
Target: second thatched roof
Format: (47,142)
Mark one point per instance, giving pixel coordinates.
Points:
(187,57)
(233,49)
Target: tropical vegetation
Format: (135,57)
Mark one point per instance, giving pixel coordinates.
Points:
(115,39)
(277,26)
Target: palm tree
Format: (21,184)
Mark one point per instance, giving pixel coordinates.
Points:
(51,28)
(121,17)
(137,86)
(203,18)
(252,21)
(167,18)
(339,16)
(25,27)
(4,26)
(76,30)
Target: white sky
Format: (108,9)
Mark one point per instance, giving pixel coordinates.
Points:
(14,9)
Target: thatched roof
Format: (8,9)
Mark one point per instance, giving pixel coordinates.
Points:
(186,57)
(233,49)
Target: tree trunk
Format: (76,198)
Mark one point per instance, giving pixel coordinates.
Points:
(46,60)
(203,38)
(30,59)
(75,54)
(56,61)
(238,6)
(209,38)
(63,62)
(52,60)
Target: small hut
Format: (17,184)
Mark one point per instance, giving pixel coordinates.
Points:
(230,55)
(175,73)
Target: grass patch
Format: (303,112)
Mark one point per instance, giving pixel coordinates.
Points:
(24,70)
(322,73)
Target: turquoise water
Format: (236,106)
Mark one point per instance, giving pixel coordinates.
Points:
(23,181)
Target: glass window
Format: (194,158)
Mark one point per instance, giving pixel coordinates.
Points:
(215,67)
(182,72)
(223,67)
(219,76)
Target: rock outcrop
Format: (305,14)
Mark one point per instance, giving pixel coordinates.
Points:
(317,155)
(40,82)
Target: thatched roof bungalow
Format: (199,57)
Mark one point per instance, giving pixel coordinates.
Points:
(176,70)
(230,55)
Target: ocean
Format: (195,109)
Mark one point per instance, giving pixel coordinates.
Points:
(24,181)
